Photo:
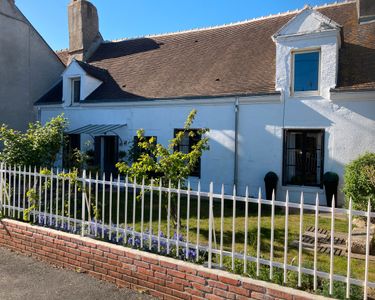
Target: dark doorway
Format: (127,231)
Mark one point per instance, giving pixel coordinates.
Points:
(106,153)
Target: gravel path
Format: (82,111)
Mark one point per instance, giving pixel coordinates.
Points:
(24,277)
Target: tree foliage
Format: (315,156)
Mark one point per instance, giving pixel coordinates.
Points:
(38,146)
(158,161)
(360,181)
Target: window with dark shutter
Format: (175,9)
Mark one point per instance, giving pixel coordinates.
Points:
(186,145)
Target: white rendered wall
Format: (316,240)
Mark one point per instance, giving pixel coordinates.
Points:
(349,132)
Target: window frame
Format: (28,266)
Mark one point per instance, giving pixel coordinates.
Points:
(198,168)
(305,93)
(72,87)
(285,153)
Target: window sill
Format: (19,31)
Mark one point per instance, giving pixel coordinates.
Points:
(300,188)
(305,94)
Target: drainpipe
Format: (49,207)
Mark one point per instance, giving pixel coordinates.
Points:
(236,122)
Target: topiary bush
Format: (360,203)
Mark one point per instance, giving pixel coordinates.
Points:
(360,181)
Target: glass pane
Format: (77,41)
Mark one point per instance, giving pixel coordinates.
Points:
(294,158)
(77,90)
(313,158)
(306,71)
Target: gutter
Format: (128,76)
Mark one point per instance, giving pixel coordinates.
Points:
(236,122)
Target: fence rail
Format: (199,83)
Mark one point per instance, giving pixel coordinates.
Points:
(205,227)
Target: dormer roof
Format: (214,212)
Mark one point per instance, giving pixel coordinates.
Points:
(307,21)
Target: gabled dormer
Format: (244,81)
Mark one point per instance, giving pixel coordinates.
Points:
(79,81)
(307,52)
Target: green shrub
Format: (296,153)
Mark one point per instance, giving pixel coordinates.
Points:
(359,181)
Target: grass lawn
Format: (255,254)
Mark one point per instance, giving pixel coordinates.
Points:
(341,225)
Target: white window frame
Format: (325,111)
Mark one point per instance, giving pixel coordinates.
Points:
(72,81)
(305,93)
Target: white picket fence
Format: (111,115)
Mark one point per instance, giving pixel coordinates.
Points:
(54,201)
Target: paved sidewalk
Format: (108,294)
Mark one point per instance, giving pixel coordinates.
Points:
(24,277)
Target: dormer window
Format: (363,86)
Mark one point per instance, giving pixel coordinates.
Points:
(306,69)
(76,90)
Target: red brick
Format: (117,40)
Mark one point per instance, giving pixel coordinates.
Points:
(118,252)
(114,262)
(100,270)
(181,295)
(158,269)
(184,282)
(122,284)
(196,279)
(150,260)
(142,264)
(230,281)
(103,248)
(224,294)
(109,278)
(203,288)
(176,273)
(187,270)
(133,256)
(125,259)
(115,274)
(157,280)
(218,284)
(279,294)
(214,297)
(168,265)
(207,275)
(239,290)
(253,287)
(194,292)
(147,272)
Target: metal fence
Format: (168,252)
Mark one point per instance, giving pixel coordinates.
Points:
(218,230)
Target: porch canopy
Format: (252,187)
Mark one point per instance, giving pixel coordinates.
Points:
(97,129)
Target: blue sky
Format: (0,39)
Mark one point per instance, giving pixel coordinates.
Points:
(130,18)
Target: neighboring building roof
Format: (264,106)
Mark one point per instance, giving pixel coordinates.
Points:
(227,60)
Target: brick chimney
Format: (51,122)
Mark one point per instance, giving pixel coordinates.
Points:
(84,35)
(366,11)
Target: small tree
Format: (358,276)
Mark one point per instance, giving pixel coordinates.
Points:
(360,181)
(166,163)
(38,146)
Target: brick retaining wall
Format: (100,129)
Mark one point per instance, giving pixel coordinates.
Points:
(162,277)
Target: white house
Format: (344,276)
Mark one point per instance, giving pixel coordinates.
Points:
(292,93)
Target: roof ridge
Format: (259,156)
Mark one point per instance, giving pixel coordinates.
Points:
(289,12)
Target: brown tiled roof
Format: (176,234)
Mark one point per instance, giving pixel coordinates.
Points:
(63,55)
(228,60)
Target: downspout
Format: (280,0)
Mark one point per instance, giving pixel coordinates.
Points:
(236,122)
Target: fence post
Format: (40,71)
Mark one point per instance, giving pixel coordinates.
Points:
(1,187)
(349,249)
(286,236)
(300,242)
(332,246)
(210,226)
(83,202)
(367,250)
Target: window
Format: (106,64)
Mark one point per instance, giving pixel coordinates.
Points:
(138,151)
(303,157)
(76,90)
(186,146)
(306,71)
(73,143)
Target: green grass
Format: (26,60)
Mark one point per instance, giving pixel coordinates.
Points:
(341,225)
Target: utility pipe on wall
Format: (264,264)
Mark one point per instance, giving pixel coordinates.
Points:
(236,122)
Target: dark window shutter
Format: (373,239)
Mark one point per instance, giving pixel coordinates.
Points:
(98,150)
